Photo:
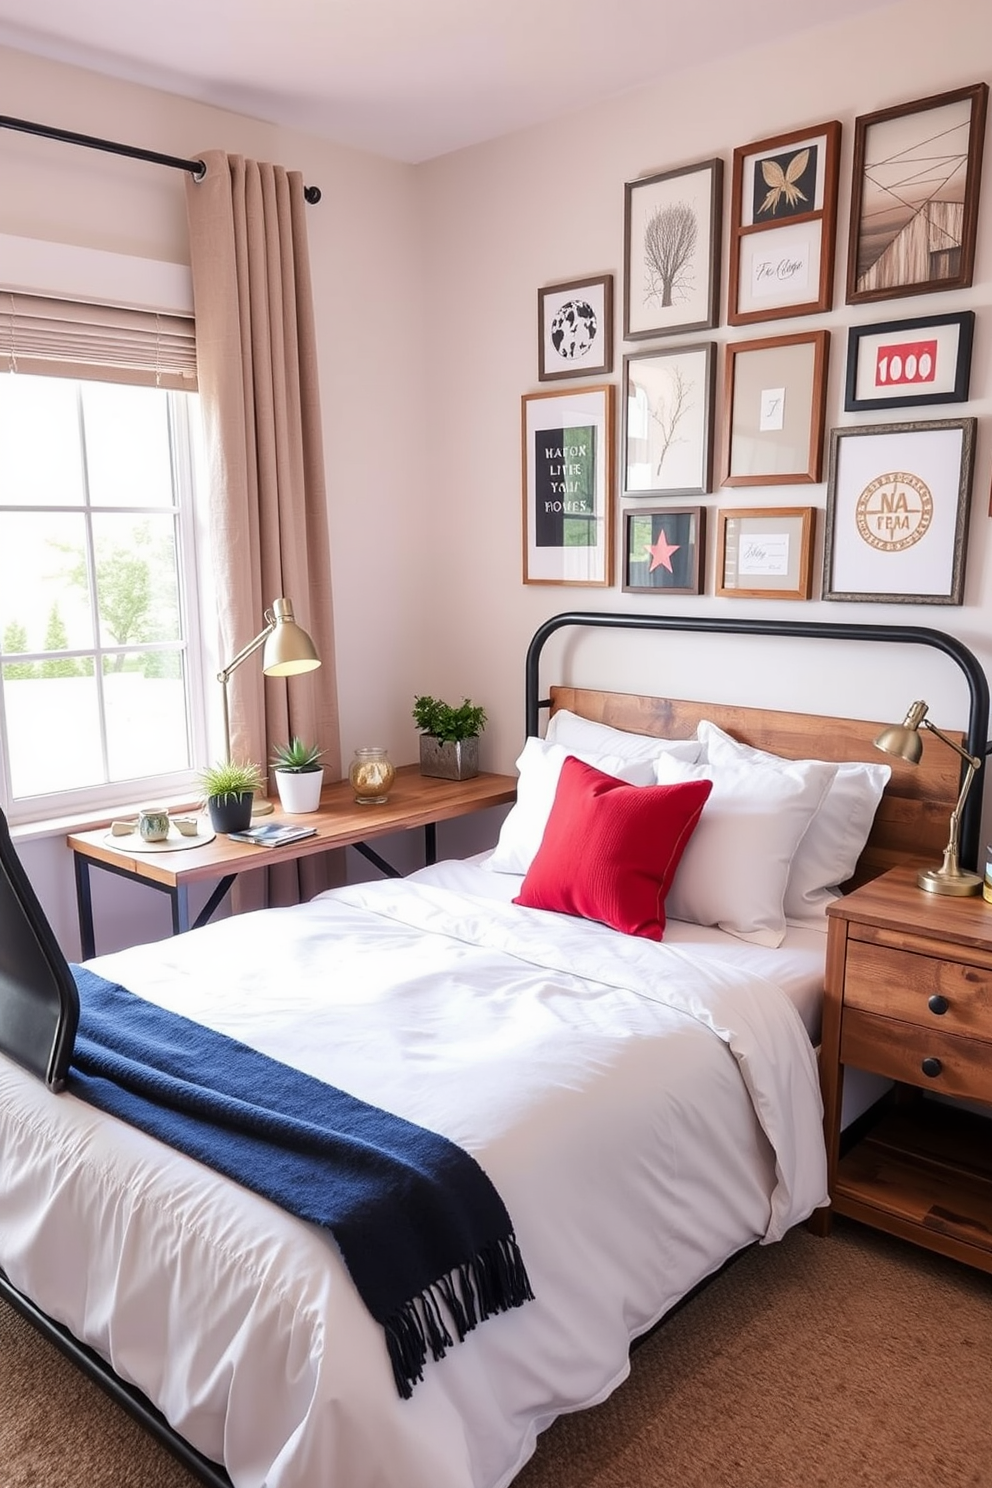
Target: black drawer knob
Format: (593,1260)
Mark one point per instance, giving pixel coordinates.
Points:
(931,1066)
(938,1004)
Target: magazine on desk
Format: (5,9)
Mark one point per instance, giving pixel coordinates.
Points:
(273,834)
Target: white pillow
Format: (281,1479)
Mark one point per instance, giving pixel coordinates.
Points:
(539,766)
(577,733)
(736,866)
(829,851)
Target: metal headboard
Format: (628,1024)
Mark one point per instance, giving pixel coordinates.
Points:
(39,1004)
(913,635)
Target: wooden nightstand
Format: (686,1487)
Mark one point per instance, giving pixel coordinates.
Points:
(909,996)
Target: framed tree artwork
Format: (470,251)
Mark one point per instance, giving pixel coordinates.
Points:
(663,550)
(672,228)
(784,214)
(575,329)
(668,402)
(568,474)
(914,199)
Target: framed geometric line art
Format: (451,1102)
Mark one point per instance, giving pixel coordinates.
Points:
(672,227)
(663,550)
(914,199)
(668,398)
(575,329)
(783,221)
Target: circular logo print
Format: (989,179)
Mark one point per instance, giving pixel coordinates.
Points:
(573,329)
(894,511)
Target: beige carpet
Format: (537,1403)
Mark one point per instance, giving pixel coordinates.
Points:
(853,1362)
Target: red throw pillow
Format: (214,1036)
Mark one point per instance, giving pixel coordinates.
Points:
(610,850)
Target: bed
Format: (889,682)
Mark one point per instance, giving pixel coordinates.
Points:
(646,1109)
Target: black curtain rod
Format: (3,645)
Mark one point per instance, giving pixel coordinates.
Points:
(196,168)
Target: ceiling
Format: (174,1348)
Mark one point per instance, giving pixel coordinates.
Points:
(408,79)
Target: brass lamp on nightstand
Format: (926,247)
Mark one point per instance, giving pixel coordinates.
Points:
(905,743)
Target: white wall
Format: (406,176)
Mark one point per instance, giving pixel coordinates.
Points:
(426,281)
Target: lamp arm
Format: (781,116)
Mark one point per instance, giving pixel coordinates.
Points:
(248,650)
(973,760)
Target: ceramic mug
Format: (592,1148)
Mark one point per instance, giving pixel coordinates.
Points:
(153,823)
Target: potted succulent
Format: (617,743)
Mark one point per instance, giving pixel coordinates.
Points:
(299,775)
(229,788)
(449,737)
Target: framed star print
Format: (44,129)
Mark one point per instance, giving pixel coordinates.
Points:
(568,475)
(765,552)
(663,550)
(783,223)
(668,420)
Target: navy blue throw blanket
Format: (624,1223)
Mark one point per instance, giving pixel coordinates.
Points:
(421,1228)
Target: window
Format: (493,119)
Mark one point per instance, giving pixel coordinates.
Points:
(99,682)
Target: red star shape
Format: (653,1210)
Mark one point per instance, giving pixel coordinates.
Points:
(661,553)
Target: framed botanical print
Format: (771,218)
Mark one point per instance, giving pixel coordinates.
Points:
(765,552)
(784,213)
(668,397)
(671,231)
(568,473)
(775,391)
(663,550)
(909,363)
(897,512)
(575,329)
(914,199)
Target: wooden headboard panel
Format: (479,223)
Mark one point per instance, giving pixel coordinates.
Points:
(912,821)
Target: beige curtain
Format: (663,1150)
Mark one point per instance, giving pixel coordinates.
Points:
(257,372)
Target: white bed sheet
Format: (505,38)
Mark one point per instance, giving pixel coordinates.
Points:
(644,1113)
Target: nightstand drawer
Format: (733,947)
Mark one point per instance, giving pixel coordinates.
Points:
(900,984)
(886,1046)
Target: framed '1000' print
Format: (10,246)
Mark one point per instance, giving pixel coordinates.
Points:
(568,461)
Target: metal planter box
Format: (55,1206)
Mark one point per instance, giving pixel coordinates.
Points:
(449,761)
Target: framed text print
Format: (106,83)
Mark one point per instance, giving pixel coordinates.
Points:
(671,236)
(897,512)
(575,329)
(914,198)
(775,403)
(765,552)
(909,363)
(663,550)
(568,472)
(784,212)
(668,398)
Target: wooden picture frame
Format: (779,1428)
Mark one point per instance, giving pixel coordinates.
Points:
(575,329)
(775,403)
(569,463)
(898,498)
(663,550)
(783,225)
(765,552)
(672,229)
(914,197)
(909,363)
(668,397)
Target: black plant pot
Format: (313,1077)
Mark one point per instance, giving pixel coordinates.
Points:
(230,813)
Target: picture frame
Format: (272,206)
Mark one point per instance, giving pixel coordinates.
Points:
(914,197)
(783,225)
(669,396)
(898,498)
(909,363)
(775,403)
(672,230)
(569,463)
(663,550)
(575,329)
(765,552)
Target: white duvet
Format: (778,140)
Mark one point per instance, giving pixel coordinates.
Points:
(643,1113)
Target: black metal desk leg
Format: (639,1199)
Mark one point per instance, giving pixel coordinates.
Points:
(84,907)
(430,843)
(180,908)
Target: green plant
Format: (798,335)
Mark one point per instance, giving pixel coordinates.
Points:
(296,757)
(447,723)
(230,778)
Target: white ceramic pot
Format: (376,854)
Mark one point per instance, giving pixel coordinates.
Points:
(299,790)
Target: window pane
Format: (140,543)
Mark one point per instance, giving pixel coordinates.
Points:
(40,456)
(136,585)
(146,716)
(44,594)
(127,445)
(53,731)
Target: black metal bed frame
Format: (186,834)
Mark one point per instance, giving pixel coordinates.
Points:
(39,1004)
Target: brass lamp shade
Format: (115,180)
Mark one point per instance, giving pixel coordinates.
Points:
(288,648)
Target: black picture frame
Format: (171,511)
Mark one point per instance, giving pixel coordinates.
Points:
(653,561)
(887,360)
(575,328)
